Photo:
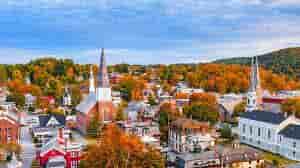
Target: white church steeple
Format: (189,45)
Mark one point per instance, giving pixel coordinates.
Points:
(253,95)
(92,81)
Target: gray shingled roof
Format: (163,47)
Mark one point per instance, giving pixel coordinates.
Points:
(44,119)
(264,116)
(291,131)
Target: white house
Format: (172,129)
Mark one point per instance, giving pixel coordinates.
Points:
(187,135)
(273,132)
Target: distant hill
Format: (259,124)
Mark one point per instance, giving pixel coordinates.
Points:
(285,61)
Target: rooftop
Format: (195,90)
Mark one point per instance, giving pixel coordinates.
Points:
(183,123)
(291,131)
(264,116)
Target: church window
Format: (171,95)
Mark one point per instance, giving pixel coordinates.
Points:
(269,134)
(294,144)
(280,138)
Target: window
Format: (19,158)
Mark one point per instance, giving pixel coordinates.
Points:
(258,132)
(280,138)
(73,154)
(74,164)
(294,144)
(269,134)
(294,154)
(244,128)
(251,130)
(8,134)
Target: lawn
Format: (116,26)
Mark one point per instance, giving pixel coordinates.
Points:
(270,157)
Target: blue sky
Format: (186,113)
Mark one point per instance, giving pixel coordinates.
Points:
(146,31)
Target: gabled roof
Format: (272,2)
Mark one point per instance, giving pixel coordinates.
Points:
(264,116)
(291,131)
(87,104)
(44,119)
(183,123)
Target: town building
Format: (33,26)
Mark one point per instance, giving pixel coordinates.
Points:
(30,100)
(139,110)
(226,157)
(148,131)
(47,127)
(116,98)
(187,135)
(273,132)
(60,152)
(98,104)
(67,98)
(9,126)
(3,93)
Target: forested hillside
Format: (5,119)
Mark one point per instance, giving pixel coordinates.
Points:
(285,61)
(49,76)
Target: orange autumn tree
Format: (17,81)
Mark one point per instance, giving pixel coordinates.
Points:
(181,96)
(235,78)
(203,98)
(117,149)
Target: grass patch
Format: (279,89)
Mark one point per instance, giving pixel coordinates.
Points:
(91,141)
(270,157)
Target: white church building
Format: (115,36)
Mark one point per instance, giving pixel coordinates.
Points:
(273,132)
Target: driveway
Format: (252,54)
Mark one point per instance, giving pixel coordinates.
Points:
(28,149)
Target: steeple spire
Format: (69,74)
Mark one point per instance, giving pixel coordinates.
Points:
(103,80)
(92,81)
(253,95)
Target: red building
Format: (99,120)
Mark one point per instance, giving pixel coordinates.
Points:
(9,127)
(59,152)
(98,104)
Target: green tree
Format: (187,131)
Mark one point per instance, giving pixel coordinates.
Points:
(152,101)
(202,112)
(3,74)
(167,114)
(226,132)
(18,98)
(239,109)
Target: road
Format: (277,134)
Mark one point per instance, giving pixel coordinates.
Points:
(28,149)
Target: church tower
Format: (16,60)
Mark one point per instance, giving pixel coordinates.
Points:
(254,92)
(92,81)
(103,87)
(103,92)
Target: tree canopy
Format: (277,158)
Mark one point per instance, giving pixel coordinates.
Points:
(117,149)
